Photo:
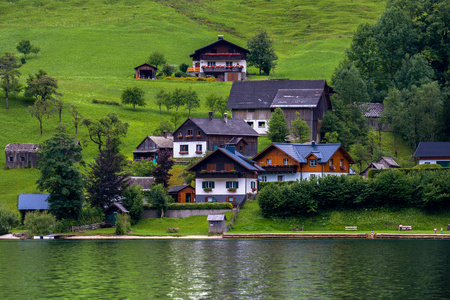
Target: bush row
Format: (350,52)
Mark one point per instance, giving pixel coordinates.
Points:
(180,206)
(194,78)
(393,189)
(374,172)
(106,102)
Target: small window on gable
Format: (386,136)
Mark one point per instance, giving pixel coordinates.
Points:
(199,132)
(341,163)
(313,162)
(190,132)
(198,148)
(331,162)
(261,124)
(268,161)
(211,63)
(250,123)
(285,161)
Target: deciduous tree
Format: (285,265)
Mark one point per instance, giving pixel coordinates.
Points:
(163,126)
(156,59)
(9,75)
(110,126)
(41,86)
(24,47)
(191,100)
(159,199)
(77,117)
(262,54)
(134,96)
(132,200)
(39,110)
(161,172)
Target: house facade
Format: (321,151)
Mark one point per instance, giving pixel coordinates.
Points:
(196,136)
(433,153)
(225,175)
(21,155)
(255,101)
(145,71)
(182,193)
(151,146)
(286,162)
(222,59)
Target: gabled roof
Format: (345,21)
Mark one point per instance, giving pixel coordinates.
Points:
(33,201)
(372,110)
(144,182)
(216,218)
(390,161)
(119,206)
(279,93)
(29,147)
(220,127)
(236,156)
(177,188)
(300,152)
(221,41)
(146,65)
(161,141)
(236,140)
(433,149)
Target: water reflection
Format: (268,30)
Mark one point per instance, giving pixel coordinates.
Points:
(224,269)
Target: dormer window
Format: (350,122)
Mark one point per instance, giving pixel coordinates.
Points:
(285,161)
(313,162)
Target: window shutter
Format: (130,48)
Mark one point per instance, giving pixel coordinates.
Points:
(213,184)
(203,185)
(227,184)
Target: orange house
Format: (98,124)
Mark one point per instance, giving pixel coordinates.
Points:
(285,161)
(182,193)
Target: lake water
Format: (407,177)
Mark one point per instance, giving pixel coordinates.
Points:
(225,269)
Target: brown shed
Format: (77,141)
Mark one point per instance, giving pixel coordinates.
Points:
(182,193)
(145,71)
(21,155)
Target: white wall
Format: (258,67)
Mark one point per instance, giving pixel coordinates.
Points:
(220,186)
(259,130)
(192,146)
(296,176)
(431,161)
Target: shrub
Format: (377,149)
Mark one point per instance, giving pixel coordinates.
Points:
(7,219)
(159,199)
(65,225)
(38,223)
(132,200)
(143,168)
(105,102)
(183,67)
(122,224)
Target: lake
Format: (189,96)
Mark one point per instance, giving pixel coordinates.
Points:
(225,269)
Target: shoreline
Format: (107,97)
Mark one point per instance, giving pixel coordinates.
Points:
(436,236)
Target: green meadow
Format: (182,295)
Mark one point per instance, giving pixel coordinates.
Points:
(91,48)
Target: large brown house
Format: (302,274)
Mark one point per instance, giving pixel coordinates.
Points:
(222,59)
(255,101)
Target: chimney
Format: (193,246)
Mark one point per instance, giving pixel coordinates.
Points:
(225,118)
(313,143)
(164,134)
(220,36)
(231,148)
(210,113)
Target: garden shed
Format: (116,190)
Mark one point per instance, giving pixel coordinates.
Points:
(112,211)
(182,193)
(21,155)
(216,223)
(145,71)
(32,202)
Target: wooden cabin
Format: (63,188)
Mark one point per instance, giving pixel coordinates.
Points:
(145,71)
(222,60)
(197,135)
(21,155)
(255,101)
(383,163)
(182,193)
(112,211)
(152,146)
(288,162)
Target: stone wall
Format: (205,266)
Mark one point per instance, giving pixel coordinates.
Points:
(184,213)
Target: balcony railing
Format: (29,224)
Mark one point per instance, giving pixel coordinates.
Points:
(222,56)
(280,169)
(194,69)
(221,69)
(218,174)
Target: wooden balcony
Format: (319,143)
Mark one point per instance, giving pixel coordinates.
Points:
(221,69)
(193,69)
(219,174)
(280,169)
(222,56)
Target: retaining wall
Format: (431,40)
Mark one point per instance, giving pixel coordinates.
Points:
(183,213)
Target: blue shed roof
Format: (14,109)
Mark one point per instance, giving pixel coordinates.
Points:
(33,201)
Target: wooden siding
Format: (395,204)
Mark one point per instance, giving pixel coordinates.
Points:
(182,195)
(219,141)
(197,133)
(147,144)
(277,156)
(21,159)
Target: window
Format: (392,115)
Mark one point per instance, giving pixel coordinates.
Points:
(331,162)
(232,184)
(341,163)
(211,63)
(211,167)
(261,124)
(285,161)
(208,184)
(264,178)
(313,162)
(184,148)
(180,135)
(22,158)
(312,176)
(231,51)
(229,63)
(280,178)
(198,149)
(269,161)
(250,123)
(253,184)
(199,132)
(11,159)
(229,167)
(190,132)
(213,51)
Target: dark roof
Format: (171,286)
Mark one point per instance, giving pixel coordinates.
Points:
(12,147)
(220,127)
(389,161)
(159,140)
(372,110)
(177,188)
(216,218)
(433,149)
(220,42)
(144,182)
(236,156)
(33,201)
(236,140)
(300,152)
(119,206)
(279,93)
(146,65)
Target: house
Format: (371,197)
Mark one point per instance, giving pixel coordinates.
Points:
(285,161)
(145,183)
(225,175)
(182,193)
(112,211)
(32,202)
(222,59)
(255,101)
(151,147)
(383,163)
(372,112)
(433,153)
(197,135)
(145,71)
(21,155)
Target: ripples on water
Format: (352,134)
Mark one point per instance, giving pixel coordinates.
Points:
(224,269)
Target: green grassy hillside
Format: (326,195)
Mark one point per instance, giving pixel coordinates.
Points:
(91,47)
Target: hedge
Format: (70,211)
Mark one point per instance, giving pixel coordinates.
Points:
(181,206)
(374,172)
(194,78)
(106,102)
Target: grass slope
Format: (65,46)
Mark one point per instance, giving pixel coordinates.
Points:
(91,48)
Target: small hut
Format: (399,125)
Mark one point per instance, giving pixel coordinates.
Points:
(216,223)
(145,71)
(182,193)
(21,155)
(112,211)
(32,202)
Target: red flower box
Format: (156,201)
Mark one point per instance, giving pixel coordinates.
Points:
(184,152)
